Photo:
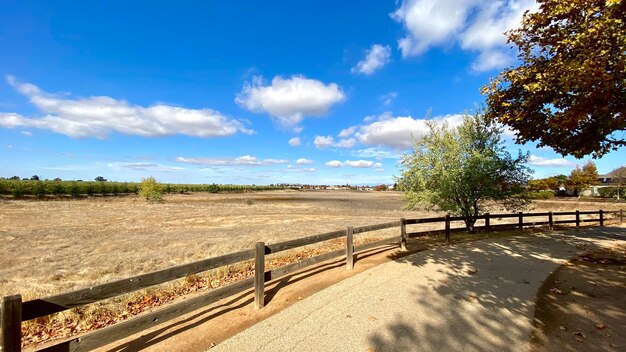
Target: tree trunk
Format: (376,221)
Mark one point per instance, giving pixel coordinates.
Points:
(469,223)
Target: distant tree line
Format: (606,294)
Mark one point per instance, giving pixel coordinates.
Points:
(33,186)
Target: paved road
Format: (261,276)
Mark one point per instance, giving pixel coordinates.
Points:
(467,297)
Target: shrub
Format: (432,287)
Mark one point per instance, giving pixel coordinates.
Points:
(611,192)
(151,189)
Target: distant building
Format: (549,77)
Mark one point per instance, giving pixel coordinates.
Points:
(619,173)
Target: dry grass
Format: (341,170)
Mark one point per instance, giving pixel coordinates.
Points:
(53,247)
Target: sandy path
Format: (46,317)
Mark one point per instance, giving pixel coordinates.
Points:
(467,297)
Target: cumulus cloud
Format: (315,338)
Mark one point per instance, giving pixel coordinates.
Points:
(328,141)
(377,56)
(289,100)
(398,132)
(295,141)
(323,141)
(544,162)
(334,163)
(144,166)
(100,116)
(360,164)
(245,160)
(303,161)
(475,25)
(347,132)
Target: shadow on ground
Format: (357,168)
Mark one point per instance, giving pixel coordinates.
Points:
(482,298)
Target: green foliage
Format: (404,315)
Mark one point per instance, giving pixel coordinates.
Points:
(611,192)
(20,188)
(459,170)
(569,91)
(151,189)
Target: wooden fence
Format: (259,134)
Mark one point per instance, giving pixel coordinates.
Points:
(14,311)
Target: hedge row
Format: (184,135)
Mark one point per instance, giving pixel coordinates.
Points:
(611,192)
(20,188)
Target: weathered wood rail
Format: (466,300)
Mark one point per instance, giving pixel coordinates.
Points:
(13,311)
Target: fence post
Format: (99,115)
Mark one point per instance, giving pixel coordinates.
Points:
(601,218)
(259,275)
(349,248)
(447,228)
(403,234)
(487,222)
(577,218)
(11,324)
(521,220)
(550,221)
(621,216)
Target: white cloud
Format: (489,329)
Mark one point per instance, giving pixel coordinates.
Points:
(544,162)
(323,141)
(473,24)
(359,164)
(399,132)
(328,141)
(27,133)
(346,143)
(388,98)
(295,141)
(375,59)
(100,116)
(246,160)
(303,161)
(334,163)
(347,132)
(144,166)
(289,100)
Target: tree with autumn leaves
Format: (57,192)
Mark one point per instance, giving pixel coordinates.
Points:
(569,93)
(581,178)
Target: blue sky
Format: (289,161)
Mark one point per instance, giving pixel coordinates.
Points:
(324,92)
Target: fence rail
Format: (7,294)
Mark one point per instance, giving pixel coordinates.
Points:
(13,311)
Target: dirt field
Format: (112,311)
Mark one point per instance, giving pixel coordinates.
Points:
(54,246)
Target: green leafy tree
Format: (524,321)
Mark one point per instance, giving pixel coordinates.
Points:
(460,170)
(151,189)
(570,91)
(581,178)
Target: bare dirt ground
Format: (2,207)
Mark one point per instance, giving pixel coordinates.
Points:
(581,307)
(56,246)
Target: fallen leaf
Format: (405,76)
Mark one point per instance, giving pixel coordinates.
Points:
(601,326)
(371,318)
(579,336)
(556,291)
(563,328)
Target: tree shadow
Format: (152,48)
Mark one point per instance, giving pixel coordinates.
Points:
(480,296)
